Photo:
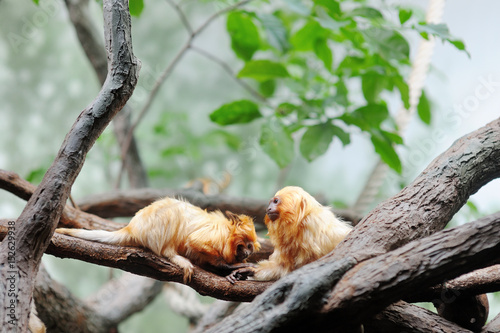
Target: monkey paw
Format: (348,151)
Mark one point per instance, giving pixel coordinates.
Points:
(186,266)
(240,274)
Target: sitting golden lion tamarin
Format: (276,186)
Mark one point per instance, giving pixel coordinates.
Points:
(301,230)
(182,232)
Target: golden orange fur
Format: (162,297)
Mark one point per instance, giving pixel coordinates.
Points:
(301,230)
(180,231)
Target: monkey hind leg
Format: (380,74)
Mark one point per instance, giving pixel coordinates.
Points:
(185,264)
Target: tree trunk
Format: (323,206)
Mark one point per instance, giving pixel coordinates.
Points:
(30,236)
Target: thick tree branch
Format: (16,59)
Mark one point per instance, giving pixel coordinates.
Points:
(62,312)
(145,263)
(478,282)
(419,210)
(120,298)
(370,286)
(493,326)
(38,220)
(93,46)
(71,217)
(404,317)
(442,256)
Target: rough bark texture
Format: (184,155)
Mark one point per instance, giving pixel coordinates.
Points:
(288,302)
(70,217)
(493,326)
(145,263)
(62,312)
(404,317)
(120,298)
(387,278)
(32,232)
(92,44)
(419,210)
(481,281)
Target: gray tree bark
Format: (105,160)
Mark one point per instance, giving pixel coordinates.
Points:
(28,239)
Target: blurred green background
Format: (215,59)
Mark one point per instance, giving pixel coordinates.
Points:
(46,80)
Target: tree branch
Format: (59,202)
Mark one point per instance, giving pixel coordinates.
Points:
(166,73)
(146,263)
(92,44)
(61,311)
(38,220)
(493,326)
(404,317)
(120,298)
(71,217)
(416,265)
(478,282)
(420,209)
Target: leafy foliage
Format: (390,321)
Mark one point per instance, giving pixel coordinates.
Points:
(304,59)
(307,60)
(136,7)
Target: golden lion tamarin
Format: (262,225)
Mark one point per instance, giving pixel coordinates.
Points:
(301,230)
(180,231)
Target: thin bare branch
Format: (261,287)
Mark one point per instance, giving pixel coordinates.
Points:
(228,70)
(166,73)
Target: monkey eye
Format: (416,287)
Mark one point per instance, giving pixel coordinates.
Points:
(250,246)
(276,201)
(240,247)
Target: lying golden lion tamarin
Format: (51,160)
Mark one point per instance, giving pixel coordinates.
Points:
(184,233)
(301,230)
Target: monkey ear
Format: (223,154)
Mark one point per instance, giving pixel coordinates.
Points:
(234,218)
(302,209)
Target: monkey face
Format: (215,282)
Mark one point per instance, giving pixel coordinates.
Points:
(272,210)
(243,251)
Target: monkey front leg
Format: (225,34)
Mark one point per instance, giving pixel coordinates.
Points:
(240,274)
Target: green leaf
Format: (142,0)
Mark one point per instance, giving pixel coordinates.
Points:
(136,7)
(393,137)
(390,44)
(424,109)
(341,95)
(277,34)
(36,2)
(472,206)
(267,88)
(277,143)
(385,149)
(331,6)
(460,45)
(304,38)
(35,176)
(343,136)
(316,140)
(244,35)
(367,117)
(298,6)
(263,70)
(367,12)
(231,140)
(239,112)
(284,109)
(372,84)
(323,52)
(403,90)
(173,151)
(440,30)
(405,15)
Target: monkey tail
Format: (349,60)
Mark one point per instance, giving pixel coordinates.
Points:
(119,237)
